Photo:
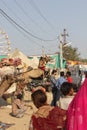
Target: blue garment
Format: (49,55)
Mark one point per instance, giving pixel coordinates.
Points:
(60,81)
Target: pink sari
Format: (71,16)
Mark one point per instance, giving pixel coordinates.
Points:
(77,111)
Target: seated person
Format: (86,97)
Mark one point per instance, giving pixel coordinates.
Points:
(67,95)
(46,116)
(19,107)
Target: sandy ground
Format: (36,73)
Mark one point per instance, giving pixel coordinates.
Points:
(20,123)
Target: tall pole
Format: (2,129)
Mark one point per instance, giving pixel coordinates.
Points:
(64,35)
(63,42)
(61,52)
(43,54)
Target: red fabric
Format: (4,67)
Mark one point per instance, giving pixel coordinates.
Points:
(42,68)
(51,122)
(69,79)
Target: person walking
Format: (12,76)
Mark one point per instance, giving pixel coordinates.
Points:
(54,88)
(59,82)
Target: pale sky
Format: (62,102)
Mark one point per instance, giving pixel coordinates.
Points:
(35,24)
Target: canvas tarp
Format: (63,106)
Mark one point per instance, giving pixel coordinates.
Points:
(19,54)
(28,62)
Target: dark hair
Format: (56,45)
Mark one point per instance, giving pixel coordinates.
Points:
(85,74)
(66,87)
(54,71)
(62,73)
(68,73)
(19,96)
(39,98)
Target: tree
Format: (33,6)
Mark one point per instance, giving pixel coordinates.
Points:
(70,53)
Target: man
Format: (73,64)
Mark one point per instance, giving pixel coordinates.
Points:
(69,78)
(54,88)
(59,82)
(67,89)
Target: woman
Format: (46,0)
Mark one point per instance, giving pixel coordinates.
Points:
(77,111)
(46,117)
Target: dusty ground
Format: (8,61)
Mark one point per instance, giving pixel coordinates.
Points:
(20,123)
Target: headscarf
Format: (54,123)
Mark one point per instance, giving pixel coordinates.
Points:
(77,110)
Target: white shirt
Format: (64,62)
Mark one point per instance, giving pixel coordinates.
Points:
(64,102)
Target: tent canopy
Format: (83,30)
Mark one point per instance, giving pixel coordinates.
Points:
(19,54)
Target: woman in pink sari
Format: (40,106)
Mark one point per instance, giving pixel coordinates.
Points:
(46,117)
(77,110)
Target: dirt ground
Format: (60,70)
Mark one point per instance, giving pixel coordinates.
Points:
(20,123)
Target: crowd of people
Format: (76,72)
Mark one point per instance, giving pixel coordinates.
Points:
(56,84)
(67,110)
(68,113)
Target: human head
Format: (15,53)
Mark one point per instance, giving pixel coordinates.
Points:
(68,73)
(62,73)
(39,98)
(19,96)
(54,72)
(67,89)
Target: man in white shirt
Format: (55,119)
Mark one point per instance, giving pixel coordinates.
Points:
(68,95)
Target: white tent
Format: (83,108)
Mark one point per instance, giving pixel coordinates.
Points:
(34,62)
(23,57)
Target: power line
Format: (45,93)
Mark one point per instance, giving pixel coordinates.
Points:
(40,13)
(26,14)
(29,33)
(22,32)
(13,12)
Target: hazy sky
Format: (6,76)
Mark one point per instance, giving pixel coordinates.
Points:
(35,24)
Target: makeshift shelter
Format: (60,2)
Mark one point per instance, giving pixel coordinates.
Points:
(23,57)
(34,62)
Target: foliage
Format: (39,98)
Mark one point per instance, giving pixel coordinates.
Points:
(70,53)
(83,60)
